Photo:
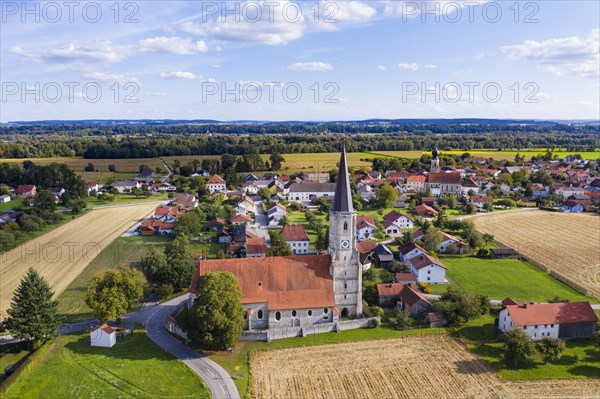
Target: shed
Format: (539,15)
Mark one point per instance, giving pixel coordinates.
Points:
(503,253)
(4,199)
(104,336)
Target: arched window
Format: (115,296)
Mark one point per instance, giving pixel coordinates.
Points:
(310,312)
(345,226)
(325,310)
(259,314)
(294,313)
(277,316)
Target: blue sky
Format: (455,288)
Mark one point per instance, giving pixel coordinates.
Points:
(314,60)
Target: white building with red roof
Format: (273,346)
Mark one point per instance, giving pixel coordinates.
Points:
(427,269)
(557,320)
(296,238)
(364,227)
(394,222)
(216,184)
(104,336)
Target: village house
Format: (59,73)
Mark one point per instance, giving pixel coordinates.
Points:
(156,227)
(126,186)
(480,200)
(276,212)
(296,238)
(427,269)
(572,206)
(255,247)
(365,253)
(383,255)
(92,187)
(448,241)
(539,190)
(395,221)
(406,278)
(364,227)
(425,211)
(26,190)
(4,199)
(238,220)
(417,182)
(223,236)
(163,187)
(318,177)
(410,250)
(216,184)
(167,213)
(389,294)
(245,207)
(411,300)
(540,320)
(186,201)
(307,193)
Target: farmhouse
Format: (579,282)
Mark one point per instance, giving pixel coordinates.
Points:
(296,238)
(364,227)
(307,193)
(389,294)
(186,201)
(240,220)
(395,221)
(216,184)
(449,241)
(104,336)
(428,269)
(287,292)
(410,250)
(27,190)
(126,186)
(413,302)
(425,211)
(556,320)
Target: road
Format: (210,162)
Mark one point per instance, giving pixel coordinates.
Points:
(169,171)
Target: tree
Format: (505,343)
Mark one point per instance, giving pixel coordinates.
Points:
(33,315)
(452,201)
(189,224)
(89,167)
(518,346)
(111,293)
(386,195)
(180,270)
(551,349)
(278,245)
(276,161)
(178,249)
(403,319)
(137,192)
(195,164)
(45,200)
(432,239)
(216,319)
(488,238)
(112,167)
(322,241)
(153,263)
(78,206)
(470,209)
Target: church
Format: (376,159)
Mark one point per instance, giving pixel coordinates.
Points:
(442,183)
(304,290)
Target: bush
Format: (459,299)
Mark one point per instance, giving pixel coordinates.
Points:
(164,290)
(374,323)
(427,290)
(378,311)
(423,284)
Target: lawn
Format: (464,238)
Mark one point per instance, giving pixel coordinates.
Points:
(501,278)
(299,217)
(238,363)
(11,204)
(134,367)
(124,251)
(121,199)
(12,354)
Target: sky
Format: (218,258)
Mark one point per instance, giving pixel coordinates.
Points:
(312,60)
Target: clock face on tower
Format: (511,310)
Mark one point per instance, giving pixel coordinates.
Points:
(345,244)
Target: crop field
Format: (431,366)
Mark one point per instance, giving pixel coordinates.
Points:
(63,253)
(417,367)
(564,243)
(495,154)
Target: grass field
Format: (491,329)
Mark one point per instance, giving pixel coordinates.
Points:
(501,278)
(491,153)
(565,243)
(122,252)
(11,204)
(417,367)
(121,199)
(63,253)
(134,367)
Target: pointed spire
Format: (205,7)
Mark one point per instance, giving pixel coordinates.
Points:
(342,202)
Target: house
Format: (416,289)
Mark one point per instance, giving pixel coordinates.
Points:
(406,278)
(539,190)
(395,221)
(214,225)
(216,184)
(255,247)
(163,187)
(388,294)
(448,241)
(307,193)
(186,201)
(425,211)
(572,206)
(436,319)
(10,216)
(383,255)
(540,320)
(364,227)
(427,269)
(4,199)
(410,250)
(365,253)
(104,336)
(413,302)
(245,206)
(276,212)
(154,226)
(319,177)
(366,192)
(92,187)
(57,191)
(167,213)
(126,186)
(417,182)
(296,238)
(26,190)
(480,200)
(238,220)
(503,253)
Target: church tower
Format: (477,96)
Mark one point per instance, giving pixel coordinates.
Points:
(345,268)
(435,162)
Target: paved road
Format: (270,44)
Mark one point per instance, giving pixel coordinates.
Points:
(169,171)
(215,377)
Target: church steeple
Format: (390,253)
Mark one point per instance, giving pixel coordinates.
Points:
(342,201)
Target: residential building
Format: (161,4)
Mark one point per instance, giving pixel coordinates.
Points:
(394,222)
(276,212)
(296,238)
(364,227)
(307,193)
(26,190)
(427,269)
(318,177)
(216,184)
(126,186)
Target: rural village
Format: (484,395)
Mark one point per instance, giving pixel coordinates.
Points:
(441,254)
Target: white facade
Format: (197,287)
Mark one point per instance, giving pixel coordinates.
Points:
(299,247)
(216,187)
(102,338)
(365,233)
(536,332)
(432,274)
(258,316)
(411,254)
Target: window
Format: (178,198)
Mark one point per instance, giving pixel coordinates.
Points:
(428,271)
(552,325)
(259,314)
(345,226)
(294,313)
(309,312)
(260,283)
(325,310)
(278,316)
(345,285)
(428,278)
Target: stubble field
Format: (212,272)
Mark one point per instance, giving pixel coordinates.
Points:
(565,243)
(63,253)
(414,367)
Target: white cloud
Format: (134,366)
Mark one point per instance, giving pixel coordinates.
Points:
(270,27)
(381,67)
(174,45)
(349,10)
(310,66)
(430,66)
(106,77)
(564,56)
(179,75)
(102,51)
(409,67)
(479,56)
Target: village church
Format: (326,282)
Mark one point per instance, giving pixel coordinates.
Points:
(303,290)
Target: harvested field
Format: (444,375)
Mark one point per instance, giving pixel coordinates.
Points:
(62,254)
(413,367)
(564,243)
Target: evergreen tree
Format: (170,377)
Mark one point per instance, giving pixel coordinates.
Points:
(33,314)
(216,319)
